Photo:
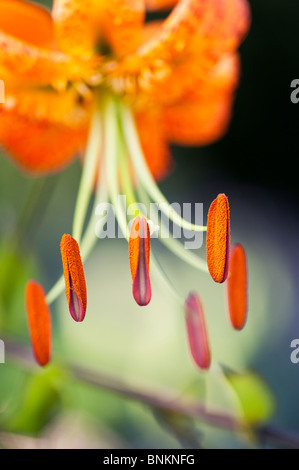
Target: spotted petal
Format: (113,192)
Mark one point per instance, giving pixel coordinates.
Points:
(122,24)
(195,29)
(74,26)
(39,145)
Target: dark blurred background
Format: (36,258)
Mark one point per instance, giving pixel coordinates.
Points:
(256,165)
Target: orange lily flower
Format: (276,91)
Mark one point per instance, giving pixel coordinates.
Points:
(95,79)
(178,76)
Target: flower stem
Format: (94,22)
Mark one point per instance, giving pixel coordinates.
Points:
(166,400)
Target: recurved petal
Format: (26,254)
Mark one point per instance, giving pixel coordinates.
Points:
(35,64)
(198,122)
(202,106)
(75,285)
(194,30)
(153,141)
(39,321)
(203,116)
(139,256)
(122,23)
(66,108)
(28,22)
(39,146)
(74,26)
(231,25)
(28,48)
(189,81)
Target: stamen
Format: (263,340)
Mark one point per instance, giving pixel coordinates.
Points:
(145,175)
(112,132)
(75,286)
(112,149)
(88,176)
(197,332)
(218,238)
(89,238)
(139,255)
(39,321)
(237,287)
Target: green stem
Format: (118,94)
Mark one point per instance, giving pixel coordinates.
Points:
(88,176)
(175,246)
(89,239)
(145,175)
(113,148)
(156,268)
(166,400)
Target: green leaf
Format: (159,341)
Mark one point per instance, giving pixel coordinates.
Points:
(255,397)
(41,399)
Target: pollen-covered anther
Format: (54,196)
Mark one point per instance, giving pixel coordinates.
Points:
(139,256)
(75,285)
(218,238)
(197,331)
(39,322)
(237,285)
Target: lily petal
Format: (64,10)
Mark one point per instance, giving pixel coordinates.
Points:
(122,24)
(28,46)
(214,28)
(35,64)
(218,238)
(237,287)
(160,4)
(28,22)
(198,122)
(75,285)
(197,331)
(68,108)
(74,26)
(154,144)
(39,321)
(139,255)
(195,109)
(38,145)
